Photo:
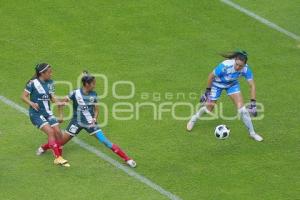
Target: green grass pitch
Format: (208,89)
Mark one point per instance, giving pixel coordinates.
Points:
(162,47)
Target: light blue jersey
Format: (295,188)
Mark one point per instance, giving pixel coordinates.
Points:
(226,77)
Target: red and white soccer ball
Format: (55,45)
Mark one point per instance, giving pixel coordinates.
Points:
(222,132)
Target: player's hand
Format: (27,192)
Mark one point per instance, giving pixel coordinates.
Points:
(61,103)
(94,121)
(35,106)
(252,108)
(204,98)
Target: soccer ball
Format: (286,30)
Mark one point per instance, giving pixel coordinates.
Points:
(222,132)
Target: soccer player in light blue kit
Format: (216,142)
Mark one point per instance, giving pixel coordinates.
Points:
(85,114)
(225,77)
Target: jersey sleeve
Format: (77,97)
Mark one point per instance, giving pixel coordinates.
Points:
(96,98)
(218,71)
(29,87)
(248,74)
(51,88)
(71,96)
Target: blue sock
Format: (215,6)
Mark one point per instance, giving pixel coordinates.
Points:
(100,136)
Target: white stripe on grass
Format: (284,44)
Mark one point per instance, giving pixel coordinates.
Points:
(103,156)
(262,20)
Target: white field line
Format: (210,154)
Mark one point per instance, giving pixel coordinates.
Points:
(261,19)
(103,156)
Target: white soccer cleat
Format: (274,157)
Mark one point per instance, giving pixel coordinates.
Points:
(190,125)
(40,151)
(131,163)
(256,137)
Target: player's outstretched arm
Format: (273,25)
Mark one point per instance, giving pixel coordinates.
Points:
(252,89)
(205,96)
(210,79)
(252,107)
(59,102)
(60,112)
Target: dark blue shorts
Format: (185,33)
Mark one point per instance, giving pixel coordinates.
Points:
(74,128)
(40,120)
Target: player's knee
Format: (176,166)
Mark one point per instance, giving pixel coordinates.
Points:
(210,107)
(240,105)
(51,132)
(57,132)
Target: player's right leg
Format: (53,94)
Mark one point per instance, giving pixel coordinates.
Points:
(59,160)
(40,121)
(207,108)
(204,109)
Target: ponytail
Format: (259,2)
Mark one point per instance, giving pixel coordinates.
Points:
(87,78)
(32,78)
(240,54)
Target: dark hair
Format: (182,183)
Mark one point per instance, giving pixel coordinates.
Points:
(39,69)
(87,78)
(239,54)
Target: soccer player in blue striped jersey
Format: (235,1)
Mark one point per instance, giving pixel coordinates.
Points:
(38,93)
(225,77)
(85,114)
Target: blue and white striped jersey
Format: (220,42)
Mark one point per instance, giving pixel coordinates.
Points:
(226,75)
(83,105)
(40,93)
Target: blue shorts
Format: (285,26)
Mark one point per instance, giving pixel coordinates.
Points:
(74,128)
(40,120)
(217,91)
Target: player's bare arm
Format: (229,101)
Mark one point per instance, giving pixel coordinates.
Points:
(252,89)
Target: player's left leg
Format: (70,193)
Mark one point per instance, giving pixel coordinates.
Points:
(58,136)
(66,138)
(115,148)
(237,98)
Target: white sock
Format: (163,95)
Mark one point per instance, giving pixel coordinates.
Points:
(200,112)
(247,119)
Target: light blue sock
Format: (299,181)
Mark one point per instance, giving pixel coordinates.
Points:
(100,136)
